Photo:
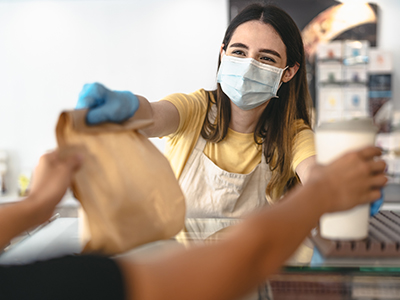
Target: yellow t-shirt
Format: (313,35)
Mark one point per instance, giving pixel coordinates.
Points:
(246,156)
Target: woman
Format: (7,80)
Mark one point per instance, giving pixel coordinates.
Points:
(202,272)
(238,147)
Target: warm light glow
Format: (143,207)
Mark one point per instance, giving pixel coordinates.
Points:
(353,1)
(334,21)
(350,15)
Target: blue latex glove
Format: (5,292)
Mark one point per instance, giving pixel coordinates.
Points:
(106,105)
(376,205)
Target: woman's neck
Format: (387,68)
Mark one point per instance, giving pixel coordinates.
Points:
(245,121)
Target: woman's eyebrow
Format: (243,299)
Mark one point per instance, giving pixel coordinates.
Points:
(239,45)
(269,51)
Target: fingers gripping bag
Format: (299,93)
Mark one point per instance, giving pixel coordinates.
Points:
(128,192)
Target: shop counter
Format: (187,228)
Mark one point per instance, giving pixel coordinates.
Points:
(306,275)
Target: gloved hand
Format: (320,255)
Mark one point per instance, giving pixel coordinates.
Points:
(106,105)
(376,205)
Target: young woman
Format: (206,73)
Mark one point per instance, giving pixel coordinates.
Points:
(241,146)
(201,272)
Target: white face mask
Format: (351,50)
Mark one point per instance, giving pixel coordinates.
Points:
(247,82)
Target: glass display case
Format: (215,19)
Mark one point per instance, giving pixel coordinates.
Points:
(308,274)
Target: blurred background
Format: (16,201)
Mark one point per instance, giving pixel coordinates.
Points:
(50,49)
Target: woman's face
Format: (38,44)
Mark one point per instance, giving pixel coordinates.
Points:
(259,41)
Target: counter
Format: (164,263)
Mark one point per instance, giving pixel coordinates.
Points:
(306,275)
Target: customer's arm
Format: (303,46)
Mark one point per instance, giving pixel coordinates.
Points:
(262,243)
(51,179)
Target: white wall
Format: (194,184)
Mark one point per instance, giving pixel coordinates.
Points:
(49,49)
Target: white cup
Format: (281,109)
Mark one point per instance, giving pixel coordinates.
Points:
(333,140)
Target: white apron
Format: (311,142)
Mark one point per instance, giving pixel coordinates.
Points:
(211,192)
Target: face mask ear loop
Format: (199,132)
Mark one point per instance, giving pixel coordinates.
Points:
(283,71)
(223,54)
(280,81)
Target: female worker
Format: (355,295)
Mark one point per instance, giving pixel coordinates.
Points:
(202,272)
(240,146)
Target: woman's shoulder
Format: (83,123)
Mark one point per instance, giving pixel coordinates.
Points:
(198,97)
(299,125)
(303,133)
(192,109)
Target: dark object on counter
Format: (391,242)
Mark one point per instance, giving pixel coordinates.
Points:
(383,239)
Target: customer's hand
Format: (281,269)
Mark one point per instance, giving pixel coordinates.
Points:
(52,177)
(355,178)
(106,105)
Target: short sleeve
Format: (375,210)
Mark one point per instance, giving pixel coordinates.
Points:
(191,108)
(304,147)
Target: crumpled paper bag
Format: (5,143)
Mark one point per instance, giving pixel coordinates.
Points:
(127,189)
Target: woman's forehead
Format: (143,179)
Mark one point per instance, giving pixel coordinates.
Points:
(256,34)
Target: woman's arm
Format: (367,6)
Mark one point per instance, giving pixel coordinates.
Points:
(304,168)
(165,116)
(261,244)
(51,179)
(304,145)
(106,105)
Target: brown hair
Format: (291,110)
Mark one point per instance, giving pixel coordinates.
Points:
(276,127)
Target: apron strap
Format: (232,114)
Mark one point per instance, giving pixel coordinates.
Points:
(263,159)
(201,142)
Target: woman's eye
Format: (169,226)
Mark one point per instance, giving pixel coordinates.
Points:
(238,53)
(267,59)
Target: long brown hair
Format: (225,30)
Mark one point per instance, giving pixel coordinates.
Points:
(276,127)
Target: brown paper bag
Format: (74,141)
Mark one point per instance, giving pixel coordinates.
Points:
(126,187)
